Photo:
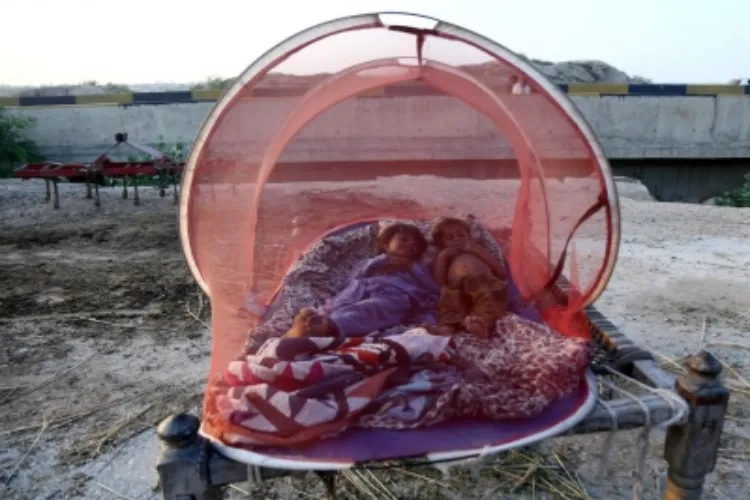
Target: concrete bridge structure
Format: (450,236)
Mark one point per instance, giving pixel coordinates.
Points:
(684,142)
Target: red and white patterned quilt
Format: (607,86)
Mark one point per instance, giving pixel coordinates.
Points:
(295,391)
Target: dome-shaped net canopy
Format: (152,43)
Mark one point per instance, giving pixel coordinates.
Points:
(373,118)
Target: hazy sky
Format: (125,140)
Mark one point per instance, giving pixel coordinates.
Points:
(146,41)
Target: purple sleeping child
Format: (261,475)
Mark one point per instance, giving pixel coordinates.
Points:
(391,289)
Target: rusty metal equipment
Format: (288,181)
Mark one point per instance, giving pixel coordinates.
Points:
(161,165)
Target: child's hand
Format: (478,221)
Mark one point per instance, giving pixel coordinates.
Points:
(474,247)
(450,252)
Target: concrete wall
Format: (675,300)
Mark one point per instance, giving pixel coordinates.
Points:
(629,127)
(682,147)
(670,127)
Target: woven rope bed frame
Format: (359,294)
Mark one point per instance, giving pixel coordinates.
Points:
(692,407)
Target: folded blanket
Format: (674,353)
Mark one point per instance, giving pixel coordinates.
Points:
(294,391)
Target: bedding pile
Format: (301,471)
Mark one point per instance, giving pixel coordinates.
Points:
(294,391)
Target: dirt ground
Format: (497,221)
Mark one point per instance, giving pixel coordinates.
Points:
(103,333)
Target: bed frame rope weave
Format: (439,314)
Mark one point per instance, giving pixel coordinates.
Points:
(614,354)
(680,411)
(692,407)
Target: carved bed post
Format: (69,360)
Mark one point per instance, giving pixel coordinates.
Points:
(183,464)
(692,448)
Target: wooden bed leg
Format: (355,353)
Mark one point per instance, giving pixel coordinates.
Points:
(56,203)
(329,481)
(136,196)
(89,194)
(97,200)
(691,448)
(183,464)
(175,189)
(162,183)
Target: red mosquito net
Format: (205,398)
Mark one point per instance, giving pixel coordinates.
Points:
(378,117)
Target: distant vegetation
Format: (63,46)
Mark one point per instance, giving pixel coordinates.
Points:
(15,148)
(177,151)
(111,88)
(84,88)
(739,197)
(213,84)
(557,72)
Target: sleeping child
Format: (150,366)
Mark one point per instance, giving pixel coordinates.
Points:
(473,282)
(391,289)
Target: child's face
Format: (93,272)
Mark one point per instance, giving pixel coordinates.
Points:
(403,245)
(455,236)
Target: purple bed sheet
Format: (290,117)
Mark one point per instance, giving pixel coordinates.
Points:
(361,445)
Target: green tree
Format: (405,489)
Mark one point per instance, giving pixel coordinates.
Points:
(15,148)
(213,84)
(739,197)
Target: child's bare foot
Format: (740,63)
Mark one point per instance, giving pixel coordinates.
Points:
(308,323)
(476,327)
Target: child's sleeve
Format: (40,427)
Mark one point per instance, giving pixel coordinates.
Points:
(364,267)
(424,277)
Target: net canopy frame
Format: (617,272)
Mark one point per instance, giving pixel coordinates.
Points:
(447,79)
(243,262)
(242,265)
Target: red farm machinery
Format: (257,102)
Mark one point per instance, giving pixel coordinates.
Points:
(159,166)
